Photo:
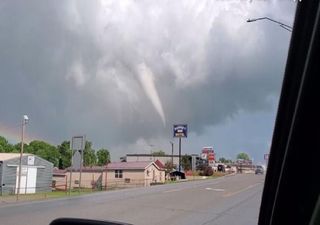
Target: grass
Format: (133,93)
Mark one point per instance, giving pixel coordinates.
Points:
(43,195)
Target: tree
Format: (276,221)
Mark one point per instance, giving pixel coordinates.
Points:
(45,151)
(26,148)
(5,146)
(243,155)
(224,160)
(89,156)
(65,155)
(103,157)
(168,166)
(158,153)
(186,162)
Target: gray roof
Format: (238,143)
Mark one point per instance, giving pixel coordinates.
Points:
(7,156)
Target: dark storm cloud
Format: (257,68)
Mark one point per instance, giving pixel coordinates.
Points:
(75,67)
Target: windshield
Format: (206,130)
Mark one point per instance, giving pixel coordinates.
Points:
(144,112)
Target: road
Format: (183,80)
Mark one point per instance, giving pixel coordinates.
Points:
(228,200)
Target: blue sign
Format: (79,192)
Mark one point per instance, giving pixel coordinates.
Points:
(180,130)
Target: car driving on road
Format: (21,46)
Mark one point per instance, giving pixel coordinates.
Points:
(259,170)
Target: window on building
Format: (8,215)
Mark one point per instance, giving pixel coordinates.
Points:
(118,174)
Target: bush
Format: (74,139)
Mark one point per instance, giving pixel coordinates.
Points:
(206,171)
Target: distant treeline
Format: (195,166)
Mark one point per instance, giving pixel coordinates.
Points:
(59,155)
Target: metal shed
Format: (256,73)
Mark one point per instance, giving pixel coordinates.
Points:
(36,174)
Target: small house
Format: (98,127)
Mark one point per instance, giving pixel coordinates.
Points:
(36,174)
(141,173)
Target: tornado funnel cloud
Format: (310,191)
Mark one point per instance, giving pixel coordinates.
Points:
(146,78)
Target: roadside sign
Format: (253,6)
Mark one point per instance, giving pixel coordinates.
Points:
(78,143)
(180,130)
(211,162)
(30,160)
(203,156)
(207,150)
(211,156)
(208,154)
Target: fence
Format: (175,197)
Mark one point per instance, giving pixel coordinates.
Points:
(61,189)
(100,184)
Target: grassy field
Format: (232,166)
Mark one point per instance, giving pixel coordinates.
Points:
(45,195)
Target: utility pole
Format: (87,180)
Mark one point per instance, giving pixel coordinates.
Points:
(24,122)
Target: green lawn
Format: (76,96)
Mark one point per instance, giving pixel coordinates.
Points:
(45,195)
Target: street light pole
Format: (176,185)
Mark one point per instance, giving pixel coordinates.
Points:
(24,122)
(172,153)
(284,26)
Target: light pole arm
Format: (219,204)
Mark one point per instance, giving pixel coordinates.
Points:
(285,26)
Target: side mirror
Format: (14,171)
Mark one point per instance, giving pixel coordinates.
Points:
(77,221)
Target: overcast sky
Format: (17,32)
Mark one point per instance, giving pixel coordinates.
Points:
(122,72)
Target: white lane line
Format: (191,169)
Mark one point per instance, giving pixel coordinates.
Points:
(172,190)
(218,189)
(241,190)
(214,189)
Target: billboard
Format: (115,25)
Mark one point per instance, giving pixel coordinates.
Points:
(207,150)
(180,130)
(209,154)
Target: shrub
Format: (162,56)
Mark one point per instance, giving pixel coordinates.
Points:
(206,171)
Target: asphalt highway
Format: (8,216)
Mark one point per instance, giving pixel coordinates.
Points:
(227,200)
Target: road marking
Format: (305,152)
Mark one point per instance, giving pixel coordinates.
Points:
(172,190)
(241,190)
(218,189)
(214,189)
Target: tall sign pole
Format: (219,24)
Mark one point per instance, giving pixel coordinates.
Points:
(77,145)
(83,143)
(171,154)
(179,154)
(71,167)
(180,131)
